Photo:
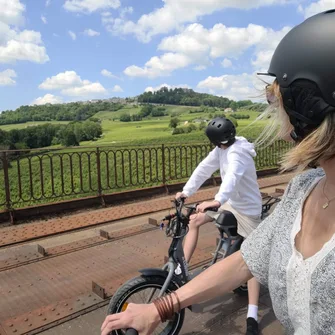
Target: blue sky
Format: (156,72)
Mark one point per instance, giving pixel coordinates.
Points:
(68,50)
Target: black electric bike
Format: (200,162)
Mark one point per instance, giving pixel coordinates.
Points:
(153,283)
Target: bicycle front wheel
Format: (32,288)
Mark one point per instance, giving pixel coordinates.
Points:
(142,290)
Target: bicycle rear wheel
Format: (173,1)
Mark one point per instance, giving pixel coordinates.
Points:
(139,290)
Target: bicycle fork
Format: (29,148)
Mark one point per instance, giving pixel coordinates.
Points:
(172,267)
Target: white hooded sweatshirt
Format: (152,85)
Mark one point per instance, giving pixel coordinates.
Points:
(239,185)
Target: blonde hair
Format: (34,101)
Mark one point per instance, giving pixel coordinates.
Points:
(316,147)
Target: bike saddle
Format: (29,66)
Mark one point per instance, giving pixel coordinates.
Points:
(227,222)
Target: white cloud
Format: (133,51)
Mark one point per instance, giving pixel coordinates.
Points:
(25,45)
(226,63)
(61,80)
(236,87)
(175,13)
(47,99)
(106,14)
(198,46)
(47,3)
(71,84)
(44,19)
(159,66)
(197,41)
(11,11)
(72,35)
(316,7)
(6,77)
(117,88)
(91,32)
(126,10)
(90,6)
(21,45)
(157,88)
(265,49)
(87,89)
(108,74)
(200,67)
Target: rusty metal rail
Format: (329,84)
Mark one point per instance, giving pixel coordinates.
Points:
(34,231)
(37,252)
(39,295)
(76,278)
(41,253)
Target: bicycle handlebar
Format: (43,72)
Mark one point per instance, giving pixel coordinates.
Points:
(131,331)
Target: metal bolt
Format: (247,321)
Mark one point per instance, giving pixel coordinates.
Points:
(334,95)
(285,76)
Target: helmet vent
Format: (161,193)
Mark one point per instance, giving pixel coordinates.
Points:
(219,125)
(213,123)
(330,11)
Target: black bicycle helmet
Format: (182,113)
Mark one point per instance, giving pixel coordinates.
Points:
(304,66)
(220,131)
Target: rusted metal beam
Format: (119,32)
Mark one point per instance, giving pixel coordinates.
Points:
(98,290)
(41,250)
(104,234)
(153,222)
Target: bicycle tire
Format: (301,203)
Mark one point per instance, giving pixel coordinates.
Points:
(135,285)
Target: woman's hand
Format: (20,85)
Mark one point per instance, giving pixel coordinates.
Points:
(143,318)
(208,204)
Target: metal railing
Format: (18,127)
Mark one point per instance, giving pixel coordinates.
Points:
(44,176)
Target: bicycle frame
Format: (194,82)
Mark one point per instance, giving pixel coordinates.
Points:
(176,251)
(176,255)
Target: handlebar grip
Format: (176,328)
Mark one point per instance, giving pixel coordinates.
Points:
(131,331)
(212,209)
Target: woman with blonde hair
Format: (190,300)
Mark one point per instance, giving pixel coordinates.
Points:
(292,251)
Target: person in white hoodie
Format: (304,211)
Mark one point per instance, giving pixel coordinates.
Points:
(239,193)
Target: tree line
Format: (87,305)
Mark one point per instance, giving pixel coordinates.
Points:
(146,110)
(74,111)
(187,97)
(50,134)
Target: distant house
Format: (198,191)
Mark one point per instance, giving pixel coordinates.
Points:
(229,110)
(117,100)
(199,120)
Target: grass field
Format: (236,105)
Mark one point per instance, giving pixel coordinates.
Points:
(152,130)
(156,129)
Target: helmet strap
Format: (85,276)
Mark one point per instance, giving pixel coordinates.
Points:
(305,107)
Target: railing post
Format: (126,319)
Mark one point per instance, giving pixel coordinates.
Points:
(99,178)
(7,189)
(163,169)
